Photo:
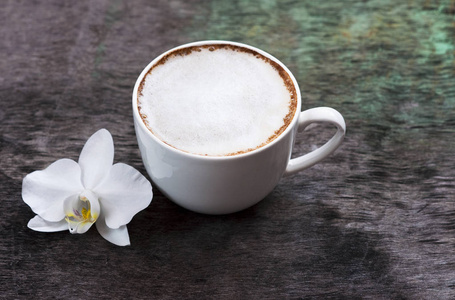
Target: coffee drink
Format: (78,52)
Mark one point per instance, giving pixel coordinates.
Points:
(216,122)
(216,100)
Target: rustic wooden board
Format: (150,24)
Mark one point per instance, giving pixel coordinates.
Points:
(376,220)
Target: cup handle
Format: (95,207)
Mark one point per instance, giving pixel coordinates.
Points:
(318,114)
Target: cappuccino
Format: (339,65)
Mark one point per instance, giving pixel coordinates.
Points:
(216,100)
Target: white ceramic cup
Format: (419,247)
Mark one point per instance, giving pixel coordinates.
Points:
(227,184)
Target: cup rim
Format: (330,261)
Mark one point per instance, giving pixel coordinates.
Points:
(141,123)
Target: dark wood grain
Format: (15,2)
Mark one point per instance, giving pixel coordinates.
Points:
(374,221)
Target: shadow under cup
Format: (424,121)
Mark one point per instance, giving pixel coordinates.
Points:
(229,183)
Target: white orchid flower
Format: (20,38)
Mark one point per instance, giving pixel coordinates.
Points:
(74,195)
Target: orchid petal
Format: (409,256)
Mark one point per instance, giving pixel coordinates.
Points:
(117,236)
(81,211)
(78,227)
(96,158)
(39,224)
(123,194)
(45,190)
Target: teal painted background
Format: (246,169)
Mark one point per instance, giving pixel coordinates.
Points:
(383,59)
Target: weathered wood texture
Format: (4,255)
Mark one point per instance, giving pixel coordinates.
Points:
(376,220)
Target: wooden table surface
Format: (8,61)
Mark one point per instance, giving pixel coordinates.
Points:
(376,220)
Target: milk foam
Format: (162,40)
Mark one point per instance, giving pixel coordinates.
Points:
(218,102)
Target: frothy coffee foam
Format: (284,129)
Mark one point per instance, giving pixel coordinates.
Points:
(216,100)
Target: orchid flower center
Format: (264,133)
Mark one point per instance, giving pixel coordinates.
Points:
(79,213)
